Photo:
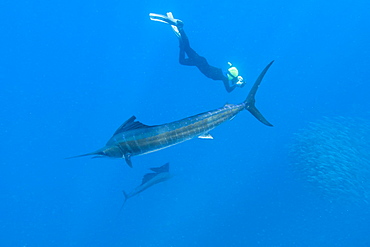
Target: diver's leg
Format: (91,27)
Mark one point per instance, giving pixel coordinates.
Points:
(185,45)
(183,60)
(185,49)
(194,58)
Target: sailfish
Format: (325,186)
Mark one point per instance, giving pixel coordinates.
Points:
(158,175)
(135,138)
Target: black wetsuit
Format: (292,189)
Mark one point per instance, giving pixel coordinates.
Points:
(200,62)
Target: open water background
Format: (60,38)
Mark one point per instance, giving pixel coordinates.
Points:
(71,72)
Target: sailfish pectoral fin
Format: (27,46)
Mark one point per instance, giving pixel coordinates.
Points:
(127,157)
(206,136)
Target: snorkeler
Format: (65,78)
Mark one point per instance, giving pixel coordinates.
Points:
(193,59)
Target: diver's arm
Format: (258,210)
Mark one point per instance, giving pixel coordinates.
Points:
(228,88)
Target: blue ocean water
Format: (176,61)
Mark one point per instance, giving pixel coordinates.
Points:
(72,72)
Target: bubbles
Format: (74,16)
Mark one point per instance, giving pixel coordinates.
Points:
(333,156)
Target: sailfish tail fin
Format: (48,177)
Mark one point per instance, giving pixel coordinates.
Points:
(124,202)
(250,100)
(126,195)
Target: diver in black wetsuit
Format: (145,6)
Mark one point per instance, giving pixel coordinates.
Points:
(193,59)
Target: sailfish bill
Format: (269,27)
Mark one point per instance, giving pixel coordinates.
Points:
(134,138)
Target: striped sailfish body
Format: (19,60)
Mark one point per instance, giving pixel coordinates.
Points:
(142,139)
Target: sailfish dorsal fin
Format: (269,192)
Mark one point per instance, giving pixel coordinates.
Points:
(164,168)
(130,124)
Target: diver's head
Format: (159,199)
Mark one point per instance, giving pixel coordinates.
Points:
(232,73)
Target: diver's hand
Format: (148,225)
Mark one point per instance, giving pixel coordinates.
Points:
(240,81)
